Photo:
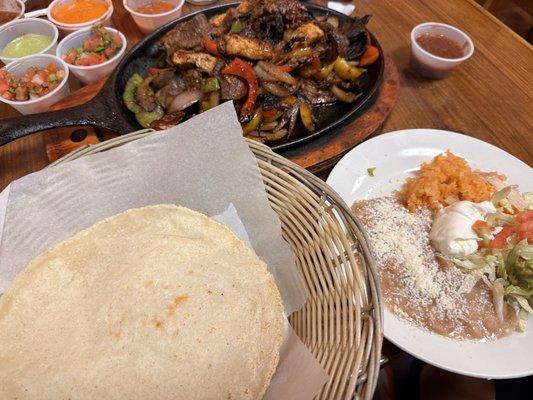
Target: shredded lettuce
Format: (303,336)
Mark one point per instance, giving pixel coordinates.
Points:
(509,268)
(528,197)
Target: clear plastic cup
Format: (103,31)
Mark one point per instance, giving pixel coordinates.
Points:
(430,65)
(65,29)
(150,22)
(20,27)
(41,104)
(91,73)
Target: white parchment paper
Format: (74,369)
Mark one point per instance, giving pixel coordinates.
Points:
(203,164)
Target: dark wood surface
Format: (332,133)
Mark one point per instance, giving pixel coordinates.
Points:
(489,97)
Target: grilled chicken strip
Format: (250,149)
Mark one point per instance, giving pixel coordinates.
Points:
(310,31)
(203,61)
(253,49)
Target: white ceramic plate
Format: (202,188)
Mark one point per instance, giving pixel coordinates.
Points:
(395,156)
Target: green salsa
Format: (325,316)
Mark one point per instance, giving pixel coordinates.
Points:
(25,45)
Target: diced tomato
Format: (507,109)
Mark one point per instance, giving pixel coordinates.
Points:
(44,75)
(71,56)
(524,216)
(110,51)
(526,235)
(51,67)
(8,95)
(500,240)
(116,40)
(480,224)
(92,43)
(526,226)
(3,86)
(90,59)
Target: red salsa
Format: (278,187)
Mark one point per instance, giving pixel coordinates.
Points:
(440,46)
(6,16)
(155,7)
(96,49)
(36,82)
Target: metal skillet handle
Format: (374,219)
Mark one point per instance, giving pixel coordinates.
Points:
(100,111)
(17,127)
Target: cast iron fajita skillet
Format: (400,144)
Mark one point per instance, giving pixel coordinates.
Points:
(106,109)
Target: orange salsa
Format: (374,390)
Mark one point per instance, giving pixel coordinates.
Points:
(79,11)
(155,7)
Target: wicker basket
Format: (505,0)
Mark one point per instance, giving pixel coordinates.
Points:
(341,322)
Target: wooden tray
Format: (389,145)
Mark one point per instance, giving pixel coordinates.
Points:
(317,156)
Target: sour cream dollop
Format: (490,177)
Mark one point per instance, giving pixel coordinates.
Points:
(452,232)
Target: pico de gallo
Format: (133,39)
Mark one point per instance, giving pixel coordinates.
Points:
(101,46)
(36,82)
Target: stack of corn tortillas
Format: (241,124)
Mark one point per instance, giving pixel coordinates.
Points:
(158,303)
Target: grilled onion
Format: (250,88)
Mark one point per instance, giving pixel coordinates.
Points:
(277,74)
(275,89)
(184,100)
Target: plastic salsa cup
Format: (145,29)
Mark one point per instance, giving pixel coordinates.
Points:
(23,26)
(91,73)
(40,104)
(150,22)
(430,65)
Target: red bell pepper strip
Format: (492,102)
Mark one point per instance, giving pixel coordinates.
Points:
(370,56)
(211,47)
(285,68)
(245,71)
(269,113)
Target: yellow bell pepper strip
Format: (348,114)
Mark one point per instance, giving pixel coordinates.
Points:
(254,123)
(326,70)
(288,101)
(306,115)
(345,70)
(347,97)
(242,69)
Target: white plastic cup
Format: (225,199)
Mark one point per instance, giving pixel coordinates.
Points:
(22,9)
(65,29)
(91,73)
(41,104)
(19,27)
(150,22)
(430,65)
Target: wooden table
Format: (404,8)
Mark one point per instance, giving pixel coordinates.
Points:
(490,97)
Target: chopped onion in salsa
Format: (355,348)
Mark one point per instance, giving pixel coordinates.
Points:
(96,49)
(36,82)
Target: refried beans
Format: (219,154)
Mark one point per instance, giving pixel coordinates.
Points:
(419,287)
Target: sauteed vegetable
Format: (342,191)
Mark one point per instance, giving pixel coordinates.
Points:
(275,61)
